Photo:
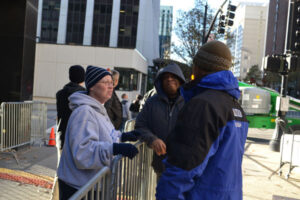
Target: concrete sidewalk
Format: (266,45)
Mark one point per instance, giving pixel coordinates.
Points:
(260,166)
(29,175)
(33,177)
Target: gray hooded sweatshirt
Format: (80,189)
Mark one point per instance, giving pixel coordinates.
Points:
(159,114)
(89,141)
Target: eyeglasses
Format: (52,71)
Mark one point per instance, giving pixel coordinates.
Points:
(107,83)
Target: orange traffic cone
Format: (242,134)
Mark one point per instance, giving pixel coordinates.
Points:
(52,138)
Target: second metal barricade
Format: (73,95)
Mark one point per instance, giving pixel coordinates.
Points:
(21,123)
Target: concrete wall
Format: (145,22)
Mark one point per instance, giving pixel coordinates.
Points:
(52,63)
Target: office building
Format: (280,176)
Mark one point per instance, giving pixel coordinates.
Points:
(165,31)
(276,42)
(115,34)
(249,32)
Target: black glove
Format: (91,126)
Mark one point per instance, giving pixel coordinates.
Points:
(130,136)
(127,150)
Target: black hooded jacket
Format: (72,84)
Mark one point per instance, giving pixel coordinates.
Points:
(159,114)
(114,110)
(62,107)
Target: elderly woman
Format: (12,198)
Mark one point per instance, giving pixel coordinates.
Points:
(91,139)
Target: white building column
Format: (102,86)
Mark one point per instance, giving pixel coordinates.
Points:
(39,21)
(114,28)
(62,24)
(88,24)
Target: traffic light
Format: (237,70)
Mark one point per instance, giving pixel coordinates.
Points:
(273,63)
(293,39)
(282,63)
(230,14)
(222,24)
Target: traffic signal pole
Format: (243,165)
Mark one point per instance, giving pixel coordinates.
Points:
(213,22)
(288,63)
(204,25)
(278,132)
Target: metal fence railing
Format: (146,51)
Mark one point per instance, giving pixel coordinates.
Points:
(128,178)
(21,123)
(38,121)
(96,188)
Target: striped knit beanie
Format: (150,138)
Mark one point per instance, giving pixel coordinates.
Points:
(94,74)
(213,56)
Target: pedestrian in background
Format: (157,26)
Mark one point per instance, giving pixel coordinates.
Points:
(206,148)
(91,139)
(113,105)
(125,107)
(159,114)
(135,106)
(76,76)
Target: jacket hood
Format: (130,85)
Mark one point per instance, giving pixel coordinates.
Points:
(170,68)
(72,87)
(221,80)
(81,98)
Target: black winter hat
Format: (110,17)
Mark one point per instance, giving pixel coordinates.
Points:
(93,75)
(76,74)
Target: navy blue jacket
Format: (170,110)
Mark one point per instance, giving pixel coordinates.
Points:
(159,114)
(205,150)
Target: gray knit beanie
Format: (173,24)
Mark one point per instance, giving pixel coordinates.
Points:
(213,56)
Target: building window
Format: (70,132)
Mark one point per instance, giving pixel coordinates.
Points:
(128,80)
(50,17)
(76,19)
(101,22)
(128,23)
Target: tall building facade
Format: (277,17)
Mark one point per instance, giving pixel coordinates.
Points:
(115,34)
(276,27)
(249,32)
(165,31)
(276,41)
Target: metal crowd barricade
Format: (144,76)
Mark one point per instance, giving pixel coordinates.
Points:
(289,147)
(129,178)
(96,188)
(17,126)
(38,121)
(133,179)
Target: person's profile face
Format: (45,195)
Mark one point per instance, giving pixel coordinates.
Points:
(116,80)
(103,89)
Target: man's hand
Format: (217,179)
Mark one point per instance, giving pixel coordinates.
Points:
(159,147)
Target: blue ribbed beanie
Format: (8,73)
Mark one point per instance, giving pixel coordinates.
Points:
(93,74)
